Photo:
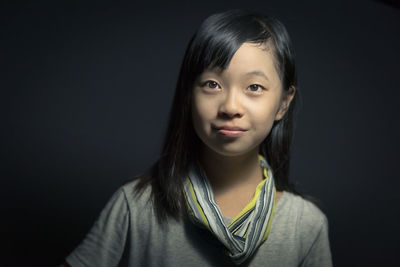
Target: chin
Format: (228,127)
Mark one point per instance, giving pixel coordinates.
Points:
(229,151)
(229,148)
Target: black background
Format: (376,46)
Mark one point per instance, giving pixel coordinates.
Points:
(85,96)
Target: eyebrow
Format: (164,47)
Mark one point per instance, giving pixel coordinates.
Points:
(257,73)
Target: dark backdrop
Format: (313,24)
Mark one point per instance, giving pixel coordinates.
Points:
(85,96)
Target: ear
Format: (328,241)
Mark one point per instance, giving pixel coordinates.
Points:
(285,103)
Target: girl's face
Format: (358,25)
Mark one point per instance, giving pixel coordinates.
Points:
(233,110)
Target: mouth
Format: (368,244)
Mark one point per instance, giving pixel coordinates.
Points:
(230,131)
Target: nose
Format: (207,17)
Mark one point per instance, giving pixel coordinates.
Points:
(231,105)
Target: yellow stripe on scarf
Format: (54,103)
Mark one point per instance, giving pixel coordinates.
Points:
(198,207)
(270,221)
(253,201)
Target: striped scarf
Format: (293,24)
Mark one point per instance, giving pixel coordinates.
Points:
(249,229)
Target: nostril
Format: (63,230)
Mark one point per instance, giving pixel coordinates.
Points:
(227,114)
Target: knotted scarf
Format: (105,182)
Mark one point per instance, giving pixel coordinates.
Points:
(249,229)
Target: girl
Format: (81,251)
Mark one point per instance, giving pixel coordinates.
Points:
(219,195)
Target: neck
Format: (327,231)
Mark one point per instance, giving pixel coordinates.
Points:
(228,172)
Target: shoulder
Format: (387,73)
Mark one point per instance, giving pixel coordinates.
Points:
(127,213)
(300,217)
(311,230)
(139,203)
(304,211)
(136,199)
(126,204)
(308,225)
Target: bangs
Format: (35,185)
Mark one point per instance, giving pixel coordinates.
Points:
(219,37)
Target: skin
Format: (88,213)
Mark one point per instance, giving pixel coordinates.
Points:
(247,94)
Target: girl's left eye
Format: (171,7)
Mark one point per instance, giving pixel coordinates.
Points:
(255,88)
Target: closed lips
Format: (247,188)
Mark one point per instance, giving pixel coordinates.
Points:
(230,128)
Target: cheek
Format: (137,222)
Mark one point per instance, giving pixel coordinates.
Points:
(198,118)
(202,110)
(263,119)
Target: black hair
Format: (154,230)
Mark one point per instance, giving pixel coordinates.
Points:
(213,46)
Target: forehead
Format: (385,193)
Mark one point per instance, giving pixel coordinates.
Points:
(250,58)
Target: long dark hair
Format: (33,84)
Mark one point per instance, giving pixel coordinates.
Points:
(213,45)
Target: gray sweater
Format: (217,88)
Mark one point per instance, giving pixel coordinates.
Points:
(127,233)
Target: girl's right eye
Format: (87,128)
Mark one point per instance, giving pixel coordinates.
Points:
(210,84)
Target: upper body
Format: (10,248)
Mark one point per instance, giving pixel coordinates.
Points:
(234,102)
(128,233)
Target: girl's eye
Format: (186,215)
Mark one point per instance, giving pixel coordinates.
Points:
(255,88)
(211,84)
